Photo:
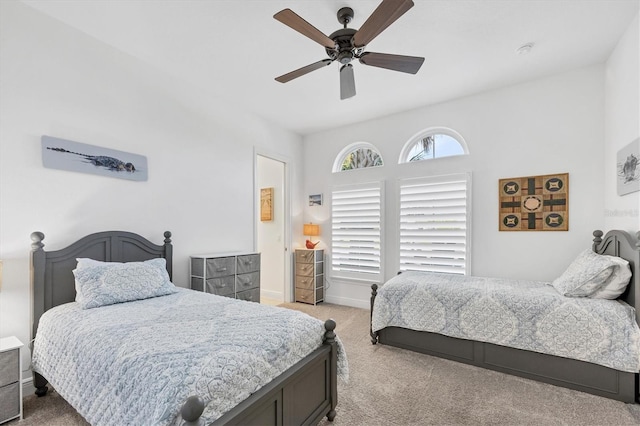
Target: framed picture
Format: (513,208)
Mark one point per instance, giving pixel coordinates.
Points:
(73,156)
(628,168)
(266,204)
(315,200)
(534,203)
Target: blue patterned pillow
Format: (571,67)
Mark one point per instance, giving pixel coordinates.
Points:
(587,274)
(103,284)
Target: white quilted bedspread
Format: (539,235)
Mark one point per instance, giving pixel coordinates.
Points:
(135,363)
(526,315)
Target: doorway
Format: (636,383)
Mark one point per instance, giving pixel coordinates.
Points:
(272,238)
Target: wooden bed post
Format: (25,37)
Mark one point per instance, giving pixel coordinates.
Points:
(191,411)
(168,252)
(37,260)
(597,238)
(330,339)
(37,278)
(374,293)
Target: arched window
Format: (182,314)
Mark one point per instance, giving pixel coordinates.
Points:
(433,143)
(359,155)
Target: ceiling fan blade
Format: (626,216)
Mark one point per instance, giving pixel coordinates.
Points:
(408,64)
(347,82)
(294,21)
(385,14)
(304,70)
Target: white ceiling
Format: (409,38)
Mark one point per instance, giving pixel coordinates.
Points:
(234,49)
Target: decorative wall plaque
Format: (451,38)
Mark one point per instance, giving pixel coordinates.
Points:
(534,203)
(266,204)
(81,157)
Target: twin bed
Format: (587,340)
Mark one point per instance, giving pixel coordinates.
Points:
(123,345)
(588,342)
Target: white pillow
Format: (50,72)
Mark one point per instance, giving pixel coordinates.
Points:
(587,274)
(84,262)
(106,283)
(617,282)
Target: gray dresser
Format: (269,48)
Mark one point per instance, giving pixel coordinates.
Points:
(234,275)
(10,386)
(309,276)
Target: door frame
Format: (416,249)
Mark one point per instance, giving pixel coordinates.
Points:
(288,291)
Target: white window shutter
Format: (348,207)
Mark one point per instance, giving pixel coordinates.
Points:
(356,229)
(434,224)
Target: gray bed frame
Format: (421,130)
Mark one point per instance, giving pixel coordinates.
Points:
(302,395)
(569,373)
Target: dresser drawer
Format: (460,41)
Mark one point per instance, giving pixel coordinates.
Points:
(9,401)
(252,295)
(248,263)
(306,296)
(308,256)
(221,267)
(197,266)
(308,282)
(247,281)
(221,286)
(304,269)
(197,283)
(9,366)
(304,282)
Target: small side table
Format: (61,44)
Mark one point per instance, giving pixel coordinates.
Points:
(10,383)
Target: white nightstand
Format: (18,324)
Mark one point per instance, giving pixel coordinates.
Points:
(10,383)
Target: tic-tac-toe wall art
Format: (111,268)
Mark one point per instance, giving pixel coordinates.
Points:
(534,203)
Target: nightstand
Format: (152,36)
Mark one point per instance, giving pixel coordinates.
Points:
(10,383)
(309,275)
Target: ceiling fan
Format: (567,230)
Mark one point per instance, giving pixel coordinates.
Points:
(347,44)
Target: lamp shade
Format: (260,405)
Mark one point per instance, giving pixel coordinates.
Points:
(311,230)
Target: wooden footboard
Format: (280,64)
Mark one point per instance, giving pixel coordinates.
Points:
(302,395)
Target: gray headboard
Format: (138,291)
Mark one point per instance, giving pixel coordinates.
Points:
(621,244)
(52,279)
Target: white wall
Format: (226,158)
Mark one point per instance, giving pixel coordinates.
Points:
(57,81)
(622,126)
(552,125)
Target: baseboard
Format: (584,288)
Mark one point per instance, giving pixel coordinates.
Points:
(277,295)
(346,301)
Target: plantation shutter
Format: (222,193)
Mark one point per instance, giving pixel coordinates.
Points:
(434,219)
(356,218)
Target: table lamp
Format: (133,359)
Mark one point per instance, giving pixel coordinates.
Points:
(311,230)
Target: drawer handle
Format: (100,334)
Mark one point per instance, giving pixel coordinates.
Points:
(248,262)
(221,269)
(221,285)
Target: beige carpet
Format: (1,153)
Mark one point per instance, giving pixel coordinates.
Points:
(390,386)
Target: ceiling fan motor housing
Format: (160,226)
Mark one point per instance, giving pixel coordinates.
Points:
(344,51)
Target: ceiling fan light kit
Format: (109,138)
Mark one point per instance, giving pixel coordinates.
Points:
(347,44)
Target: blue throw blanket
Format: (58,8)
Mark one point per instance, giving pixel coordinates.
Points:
(137,362)
(526,315)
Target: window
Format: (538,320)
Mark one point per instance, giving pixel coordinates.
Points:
(433,143)
(357,156)
(356,219)
(434,224)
